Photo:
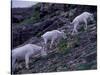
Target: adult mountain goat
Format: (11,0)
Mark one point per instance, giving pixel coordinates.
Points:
(82,18)
(52,36)
(25,52)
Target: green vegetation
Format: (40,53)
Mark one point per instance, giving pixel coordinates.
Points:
(63,47)
(35,17)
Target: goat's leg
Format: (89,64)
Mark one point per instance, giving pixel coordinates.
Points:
(85,27)
(27,61)
(51,43)
(45,41)
(43,53)
(75,30)
(57,42)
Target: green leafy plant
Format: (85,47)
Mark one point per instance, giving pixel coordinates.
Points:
(63,47)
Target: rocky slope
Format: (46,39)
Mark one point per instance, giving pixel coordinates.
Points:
(77,52)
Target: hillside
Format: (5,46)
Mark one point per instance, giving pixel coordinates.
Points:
(77,52)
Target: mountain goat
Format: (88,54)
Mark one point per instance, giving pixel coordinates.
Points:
(52,36)
(25,52)
(82,18)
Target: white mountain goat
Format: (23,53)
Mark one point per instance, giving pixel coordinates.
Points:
(52,36)
(25,52)
(82,18)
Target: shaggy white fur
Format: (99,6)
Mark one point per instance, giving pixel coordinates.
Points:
(25,52)
(52,36)
(82,18)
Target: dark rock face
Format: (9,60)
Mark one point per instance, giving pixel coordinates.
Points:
(17,18)
(78,52)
